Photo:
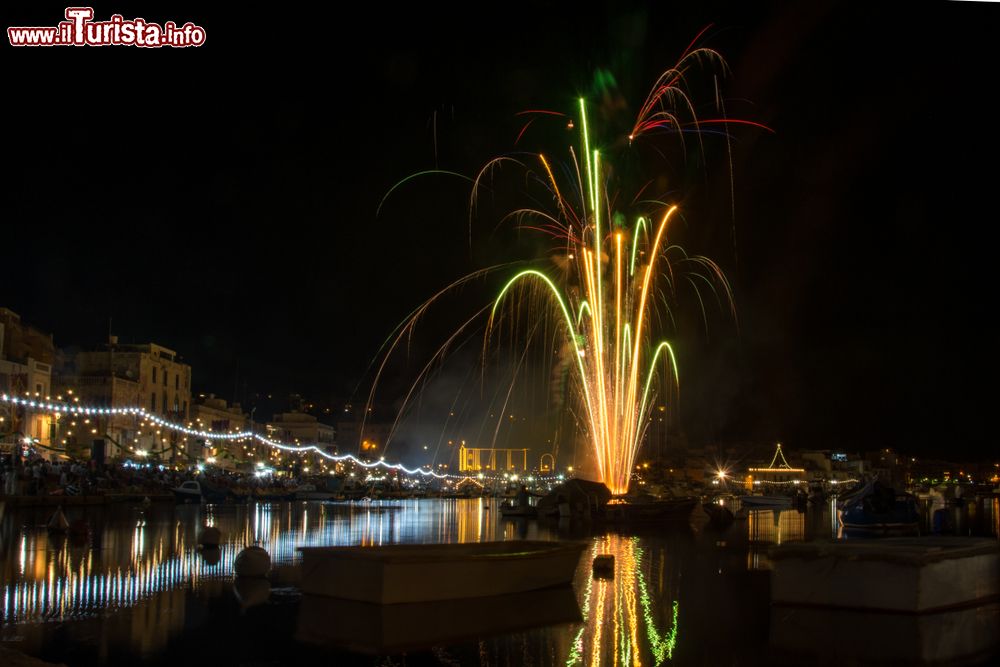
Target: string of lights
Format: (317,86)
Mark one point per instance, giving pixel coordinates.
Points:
(141,413)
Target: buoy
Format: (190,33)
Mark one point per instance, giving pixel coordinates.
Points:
(211,555)
(252,562)
(604,566)
(210,536)
(57,522)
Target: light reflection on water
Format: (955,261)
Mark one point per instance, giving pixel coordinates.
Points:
(56,577)
(631,617)
(140,583)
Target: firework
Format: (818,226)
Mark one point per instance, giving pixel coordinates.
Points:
(609,321)
(617,277)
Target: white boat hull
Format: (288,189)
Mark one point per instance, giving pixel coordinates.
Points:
(423,573)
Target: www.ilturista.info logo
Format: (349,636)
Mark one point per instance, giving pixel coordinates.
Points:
(79,29)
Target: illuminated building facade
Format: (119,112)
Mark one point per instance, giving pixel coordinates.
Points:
(302,428)
(209,413)
(26,357)
(474,459)
(125,375)
(776,472)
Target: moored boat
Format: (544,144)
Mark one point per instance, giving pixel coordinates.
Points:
(196,492)
(879,510)
(642,511)
(188,492)
(426,572)
(766,501)
(512,511)
(309,492)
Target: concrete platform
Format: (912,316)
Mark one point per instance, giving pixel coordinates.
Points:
(907,575)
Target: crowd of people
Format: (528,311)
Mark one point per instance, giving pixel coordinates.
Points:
(34,475)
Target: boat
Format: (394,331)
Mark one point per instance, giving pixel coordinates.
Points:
(188,492)
(272,495)
(574,498)
(753,502)
(192,491)
(878,510)
(512,511)
(399,574)
(642,511)
(309,492)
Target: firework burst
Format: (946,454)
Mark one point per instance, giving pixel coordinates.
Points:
(617,275)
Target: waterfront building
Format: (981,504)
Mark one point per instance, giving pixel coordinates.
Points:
(26,358)
(129,375)
(778,471)
(300,428)
(215,415)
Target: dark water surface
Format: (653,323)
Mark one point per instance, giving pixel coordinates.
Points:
(138,590)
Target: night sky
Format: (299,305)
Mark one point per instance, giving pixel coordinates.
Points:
(222,201)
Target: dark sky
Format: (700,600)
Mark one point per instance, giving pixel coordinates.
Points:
(221,201)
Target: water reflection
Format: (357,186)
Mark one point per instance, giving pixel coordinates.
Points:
(767,528)
(139,588)
(622,623)
(132,555)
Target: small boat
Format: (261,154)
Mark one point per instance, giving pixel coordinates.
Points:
(641,511)
(427,572)
(188,492)
(192,491)
(273,495)
(512,511)
(766,501)
(879,510)
(309,492)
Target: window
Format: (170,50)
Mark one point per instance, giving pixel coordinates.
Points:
(154,376)
(152,397)
(185,410)
(165,378)
(177,381)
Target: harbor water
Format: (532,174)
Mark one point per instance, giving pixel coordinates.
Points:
(136,588)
